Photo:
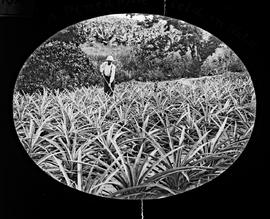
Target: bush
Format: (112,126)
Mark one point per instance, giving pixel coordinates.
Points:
(56,65)
(236,66)
(222,61)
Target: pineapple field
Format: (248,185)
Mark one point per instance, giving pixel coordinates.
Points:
(150,140)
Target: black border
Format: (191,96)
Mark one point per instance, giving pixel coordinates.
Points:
(29,192)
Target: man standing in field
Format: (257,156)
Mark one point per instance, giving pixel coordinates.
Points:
(107,70)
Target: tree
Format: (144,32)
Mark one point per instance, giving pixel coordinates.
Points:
(170,36)
(110,31)
(56,65)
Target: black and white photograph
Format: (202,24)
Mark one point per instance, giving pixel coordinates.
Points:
(134,106)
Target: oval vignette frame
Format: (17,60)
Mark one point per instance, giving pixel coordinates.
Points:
(182,111)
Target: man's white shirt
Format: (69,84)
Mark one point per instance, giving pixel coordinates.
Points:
(108,70)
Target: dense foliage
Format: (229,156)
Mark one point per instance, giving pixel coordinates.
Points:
(158,48)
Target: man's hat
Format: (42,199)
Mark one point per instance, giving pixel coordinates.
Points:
(109,58)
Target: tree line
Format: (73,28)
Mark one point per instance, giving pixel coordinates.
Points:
(155,49)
